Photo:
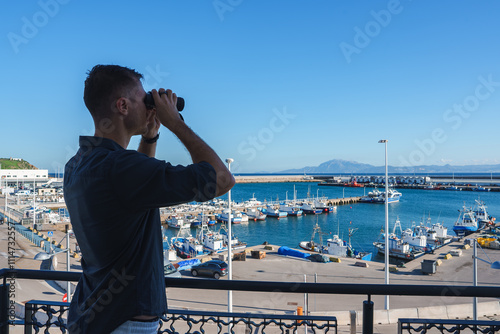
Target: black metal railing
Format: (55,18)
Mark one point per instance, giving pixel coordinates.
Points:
(447,326)
(197,322)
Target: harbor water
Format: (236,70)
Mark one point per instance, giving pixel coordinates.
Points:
(414,207)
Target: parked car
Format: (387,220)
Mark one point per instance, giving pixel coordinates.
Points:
(169,270)
(214,268)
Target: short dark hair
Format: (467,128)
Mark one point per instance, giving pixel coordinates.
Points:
(105,84)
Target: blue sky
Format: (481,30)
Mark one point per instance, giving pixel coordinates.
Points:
(273,84)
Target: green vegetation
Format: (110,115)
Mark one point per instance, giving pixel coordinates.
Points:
(7,163)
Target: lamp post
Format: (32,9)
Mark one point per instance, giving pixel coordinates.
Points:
(44,256)
(384,141)
(493,265)
(229,239)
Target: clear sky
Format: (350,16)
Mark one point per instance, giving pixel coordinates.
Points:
(273,84)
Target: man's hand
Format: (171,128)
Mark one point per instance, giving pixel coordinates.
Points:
(153,125)
(166,108)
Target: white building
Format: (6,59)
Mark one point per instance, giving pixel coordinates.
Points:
(18,176)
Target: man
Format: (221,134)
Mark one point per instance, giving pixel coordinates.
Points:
(113,195)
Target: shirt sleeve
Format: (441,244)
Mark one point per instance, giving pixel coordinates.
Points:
(144,183)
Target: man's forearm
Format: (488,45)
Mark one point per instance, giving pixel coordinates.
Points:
(200,151)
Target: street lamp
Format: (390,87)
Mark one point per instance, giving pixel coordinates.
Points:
(229,256)
(384,141)
(493,265)
(42,256)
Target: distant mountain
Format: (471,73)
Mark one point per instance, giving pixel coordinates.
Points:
(343,166)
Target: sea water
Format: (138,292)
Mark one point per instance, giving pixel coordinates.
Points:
(414,207)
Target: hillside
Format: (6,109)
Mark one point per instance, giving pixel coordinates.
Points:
(9,163)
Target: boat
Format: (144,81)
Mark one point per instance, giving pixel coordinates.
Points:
(180,223)
(353,183)
(378,197)
(252,202)
(212,241)
(291,210)
(312,245)
(186,245)
(289,207)
(243,216)
(480,188)
(372,195)
(466,223)
(398,247)
(254,214)
(323,206)
(235,242)
(274,213)
(335,246)
(393,197)
(235,217)
(481,214)
(309,208)
(430,186)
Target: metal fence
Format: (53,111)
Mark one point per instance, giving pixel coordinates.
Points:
(40,316)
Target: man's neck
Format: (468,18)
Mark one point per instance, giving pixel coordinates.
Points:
(121,139)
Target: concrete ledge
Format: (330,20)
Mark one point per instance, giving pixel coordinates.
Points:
(432,312)
(343,317)
(459,311)
(380,317)
(395,314)
(488,308)
(452,312)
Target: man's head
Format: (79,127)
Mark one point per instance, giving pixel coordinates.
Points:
(115,94)
(105,84)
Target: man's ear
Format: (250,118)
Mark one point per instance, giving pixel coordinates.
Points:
(122,106)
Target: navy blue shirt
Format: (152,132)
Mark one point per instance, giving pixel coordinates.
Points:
(113,195)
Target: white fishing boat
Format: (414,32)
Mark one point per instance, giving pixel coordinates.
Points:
(481,214)
(177,222)
(224,217)
(252,202)
(235,242)
(378,197)
(466,223)
(212,241)
(254,214)
(393,196)
(372,195)
(398,247)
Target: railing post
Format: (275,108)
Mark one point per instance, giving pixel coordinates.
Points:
(4,310)
(368,316)
(28,318)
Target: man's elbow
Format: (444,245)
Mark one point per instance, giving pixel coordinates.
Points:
(224,183)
